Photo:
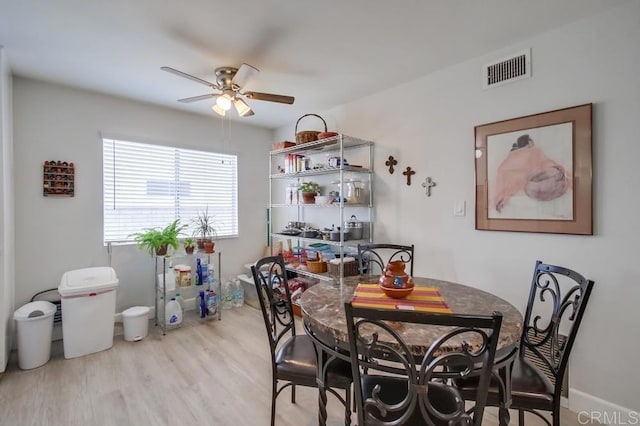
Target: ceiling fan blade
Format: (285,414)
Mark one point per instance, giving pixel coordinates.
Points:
(189,76)
(269,97)
(197,98)
(244,74)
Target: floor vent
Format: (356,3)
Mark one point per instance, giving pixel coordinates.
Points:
(507,70)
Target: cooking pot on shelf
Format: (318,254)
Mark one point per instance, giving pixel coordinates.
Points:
(334,234)
(355,228)
(309,233)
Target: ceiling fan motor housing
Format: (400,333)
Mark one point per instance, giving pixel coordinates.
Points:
(224,76)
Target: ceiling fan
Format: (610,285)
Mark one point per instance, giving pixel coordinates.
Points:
(230,81)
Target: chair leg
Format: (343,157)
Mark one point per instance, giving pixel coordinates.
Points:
(347,407)
(556,416)
(520,417)
(273,401)
(293,394)
(353,399)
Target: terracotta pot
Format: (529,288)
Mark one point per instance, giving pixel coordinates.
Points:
(200,242)
(161,251)
(208,247)
(309,197)
(396,281)
(395,267)
(397,293)
(189,250)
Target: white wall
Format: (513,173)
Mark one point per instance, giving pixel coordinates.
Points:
(54,235)
(6,213)
(428,124)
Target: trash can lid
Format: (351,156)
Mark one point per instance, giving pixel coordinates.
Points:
(34,311)
(85,280)
(135,311)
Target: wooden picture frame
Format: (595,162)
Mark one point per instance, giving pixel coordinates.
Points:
(534,173)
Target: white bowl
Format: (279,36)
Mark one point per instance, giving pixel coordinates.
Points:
(324,199)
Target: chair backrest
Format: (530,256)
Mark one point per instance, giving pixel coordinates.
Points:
(270,278)
(380,355)
(372,258)
(557,301)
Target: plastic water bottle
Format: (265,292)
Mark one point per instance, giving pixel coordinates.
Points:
(238,294)
(173,313)
(227,295)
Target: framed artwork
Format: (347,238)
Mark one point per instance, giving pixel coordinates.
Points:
(534,173)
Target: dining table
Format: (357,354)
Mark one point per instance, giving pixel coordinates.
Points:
(322,308)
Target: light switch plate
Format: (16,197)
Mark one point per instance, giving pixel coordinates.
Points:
(459,208)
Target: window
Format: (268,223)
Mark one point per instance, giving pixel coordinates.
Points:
(148,186)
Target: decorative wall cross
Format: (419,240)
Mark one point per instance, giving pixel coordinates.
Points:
(390,163)
(428,184)
(408,173)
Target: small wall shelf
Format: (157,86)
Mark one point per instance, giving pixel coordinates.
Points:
(58,179)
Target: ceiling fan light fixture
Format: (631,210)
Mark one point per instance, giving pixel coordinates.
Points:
(218,110)
(242,107)
(224,101)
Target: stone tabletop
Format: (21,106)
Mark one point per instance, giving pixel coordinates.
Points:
(323,312)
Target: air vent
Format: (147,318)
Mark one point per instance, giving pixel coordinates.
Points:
(507,70)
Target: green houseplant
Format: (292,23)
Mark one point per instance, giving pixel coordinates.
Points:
(189,245)
(158,240)
(309,191)
(203,228)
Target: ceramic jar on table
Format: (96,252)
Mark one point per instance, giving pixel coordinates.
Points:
(394,276)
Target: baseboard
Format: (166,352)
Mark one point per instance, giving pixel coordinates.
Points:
(591,409)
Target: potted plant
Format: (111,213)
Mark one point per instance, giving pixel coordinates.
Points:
(158,240)
(189,245)
(309,191)
(203,229)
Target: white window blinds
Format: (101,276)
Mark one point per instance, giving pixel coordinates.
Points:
(147,186)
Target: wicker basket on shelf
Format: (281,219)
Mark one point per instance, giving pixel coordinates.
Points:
(317,266)
(306,136)
(350,267)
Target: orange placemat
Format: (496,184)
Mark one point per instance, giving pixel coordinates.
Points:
(424,299)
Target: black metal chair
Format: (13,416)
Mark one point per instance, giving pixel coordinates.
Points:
(557,301)
(372,258)
(293,357)
(395,387)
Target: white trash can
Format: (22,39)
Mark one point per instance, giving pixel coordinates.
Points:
(88,310)
(136,323)
(34,327)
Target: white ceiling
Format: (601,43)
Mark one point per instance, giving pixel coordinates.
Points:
(324,53)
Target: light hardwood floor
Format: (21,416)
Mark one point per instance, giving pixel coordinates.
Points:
(213,373)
